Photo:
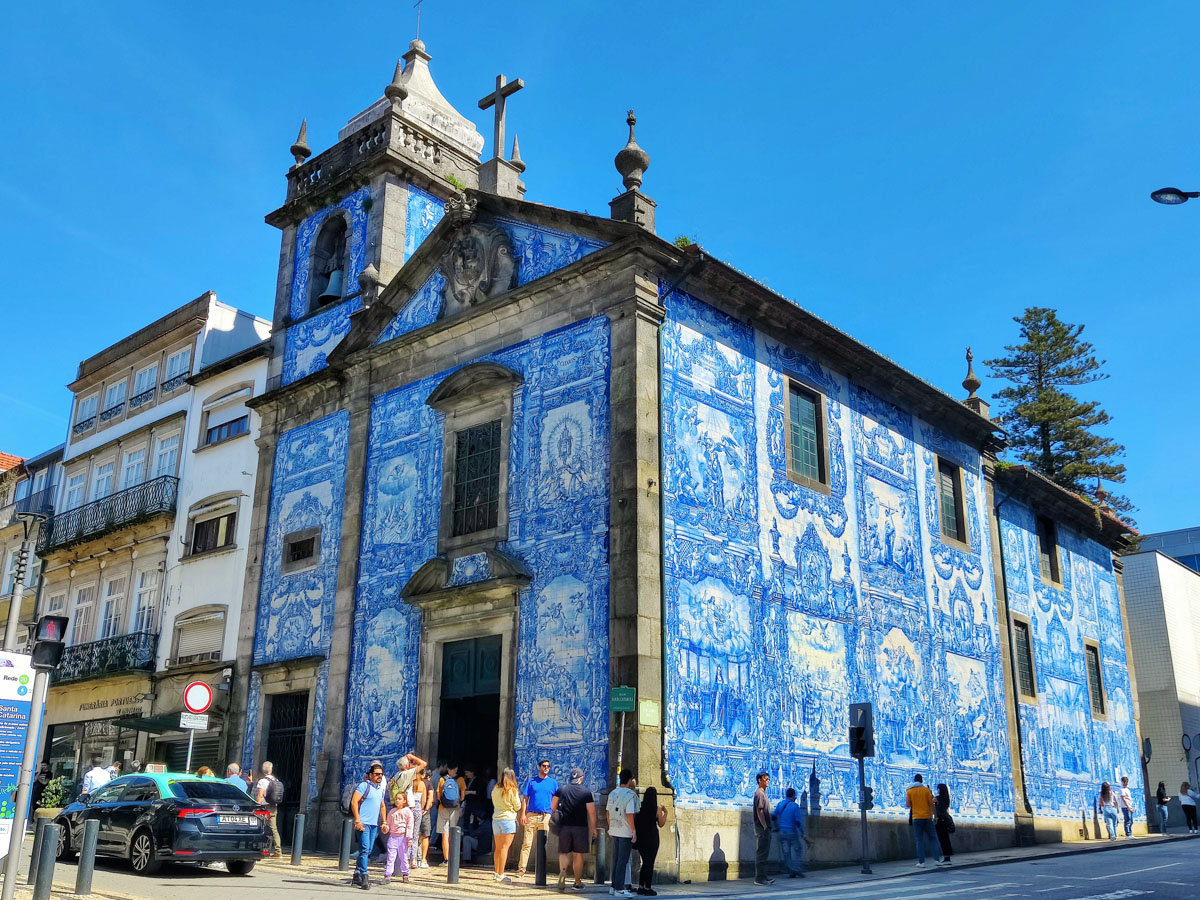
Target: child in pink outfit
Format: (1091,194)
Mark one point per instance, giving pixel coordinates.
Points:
(401,827)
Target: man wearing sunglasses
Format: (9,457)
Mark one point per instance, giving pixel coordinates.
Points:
(537,802)
(369,807)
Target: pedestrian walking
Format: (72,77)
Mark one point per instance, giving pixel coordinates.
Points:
(1187,802)
(1162,799)
(943,824)
(269,792)
(573,810)
(789,819)
(368,805)
(919,800)
(1108,806)
(400,826)
(762,831)
(535,810)
(450,792)
(650,817)
(506,803)
(1126,801)
(623,805)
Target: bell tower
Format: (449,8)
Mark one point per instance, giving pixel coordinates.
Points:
(357,211)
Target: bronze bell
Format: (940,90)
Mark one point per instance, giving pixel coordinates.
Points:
(335,289)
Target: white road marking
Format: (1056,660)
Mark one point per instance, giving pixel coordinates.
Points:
(1132,872)
(1114,895)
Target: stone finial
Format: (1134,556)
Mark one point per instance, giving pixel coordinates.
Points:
(515,160)
(368,278)
(1101,494)
(396,91)
(632,161)
(971,382)
(300,150)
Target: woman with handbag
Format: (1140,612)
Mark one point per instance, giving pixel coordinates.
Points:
(943,823)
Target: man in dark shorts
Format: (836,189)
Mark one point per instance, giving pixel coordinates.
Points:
(575,808)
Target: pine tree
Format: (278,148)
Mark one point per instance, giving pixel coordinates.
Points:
(1048,428)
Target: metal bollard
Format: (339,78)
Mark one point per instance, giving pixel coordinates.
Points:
(297,839)
(48,853)
(35,857)
(601,875)
(87,857)
(455,855)
(347,841)
(539,858)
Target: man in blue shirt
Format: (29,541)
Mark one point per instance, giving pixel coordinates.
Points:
(233,775)
(536,804)
(369,808)
(790,819)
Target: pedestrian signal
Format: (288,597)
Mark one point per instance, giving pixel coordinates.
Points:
(48,644)
(862,730)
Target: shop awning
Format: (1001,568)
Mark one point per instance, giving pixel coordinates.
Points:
(165,722)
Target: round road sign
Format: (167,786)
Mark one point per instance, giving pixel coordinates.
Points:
(197,697)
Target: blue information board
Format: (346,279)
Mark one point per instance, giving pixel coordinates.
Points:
(16,690)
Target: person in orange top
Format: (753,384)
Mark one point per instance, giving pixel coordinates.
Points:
(919,800)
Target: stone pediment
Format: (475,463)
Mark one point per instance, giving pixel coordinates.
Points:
(473,576)
(484,248)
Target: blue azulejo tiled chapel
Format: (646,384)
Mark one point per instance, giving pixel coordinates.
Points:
(514,456)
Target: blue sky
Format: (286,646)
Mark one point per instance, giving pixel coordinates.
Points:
(916,174)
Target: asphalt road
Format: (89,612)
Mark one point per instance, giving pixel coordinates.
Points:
(1161,871)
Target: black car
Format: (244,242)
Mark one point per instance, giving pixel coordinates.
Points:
(149,819)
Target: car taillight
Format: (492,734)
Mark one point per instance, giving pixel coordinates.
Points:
(195,812)
(262,812)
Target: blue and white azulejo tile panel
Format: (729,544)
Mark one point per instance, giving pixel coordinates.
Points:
(423,213)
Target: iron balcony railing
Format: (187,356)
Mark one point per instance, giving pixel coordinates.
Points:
(116,511)
(141,399)
(112,412)
(108,656)
(39,504)
(173,382)
(85,425)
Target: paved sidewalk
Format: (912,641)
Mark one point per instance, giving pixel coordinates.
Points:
(479,882)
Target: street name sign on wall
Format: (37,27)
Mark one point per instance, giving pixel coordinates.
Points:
(16,686)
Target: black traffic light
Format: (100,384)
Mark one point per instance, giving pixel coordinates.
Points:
(868,798)
(862,730)
(48,644)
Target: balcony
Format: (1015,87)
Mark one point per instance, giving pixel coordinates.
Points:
(84,425)
(112,412)
(39,504)
(127,507)
(176,381)
(108,656)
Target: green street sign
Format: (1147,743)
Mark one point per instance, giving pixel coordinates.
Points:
(622,699)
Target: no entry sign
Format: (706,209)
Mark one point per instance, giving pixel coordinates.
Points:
(197,697)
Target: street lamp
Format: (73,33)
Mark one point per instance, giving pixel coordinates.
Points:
(1173,196)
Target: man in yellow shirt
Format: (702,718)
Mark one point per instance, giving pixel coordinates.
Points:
(919,799)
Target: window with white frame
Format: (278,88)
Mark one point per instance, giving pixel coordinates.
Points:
(145,380)
(84,614)
(114,607)
(22,490)
(178,364)
(10,572)
(147,600)
(102,480)
(166,456)
(133,470)
(39,481)
(86,408)
(115,395)
(226,416)
(74,495)
(199,637)
(56,604)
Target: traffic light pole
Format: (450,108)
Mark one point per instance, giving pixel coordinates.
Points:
(862,811)
(18,594)
(25,782)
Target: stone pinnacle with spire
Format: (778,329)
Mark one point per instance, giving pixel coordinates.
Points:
(515,160)
(396,91)
(972,384)
(632,162)
(300,150)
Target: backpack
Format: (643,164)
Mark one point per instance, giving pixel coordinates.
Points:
(274,792)
(450,794)
(347,797)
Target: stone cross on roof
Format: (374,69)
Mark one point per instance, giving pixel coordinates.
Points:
(497,98)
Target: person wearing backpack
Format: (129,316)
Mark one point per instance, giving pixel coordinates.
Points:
(269,792)
(368,805)
(450,792)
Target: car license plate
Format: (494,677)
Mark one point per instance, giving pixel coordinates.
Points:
(235,820)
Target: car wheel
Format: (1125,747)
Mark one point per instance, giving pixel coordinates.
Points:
(240,866)
(64,840)
(142,854)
